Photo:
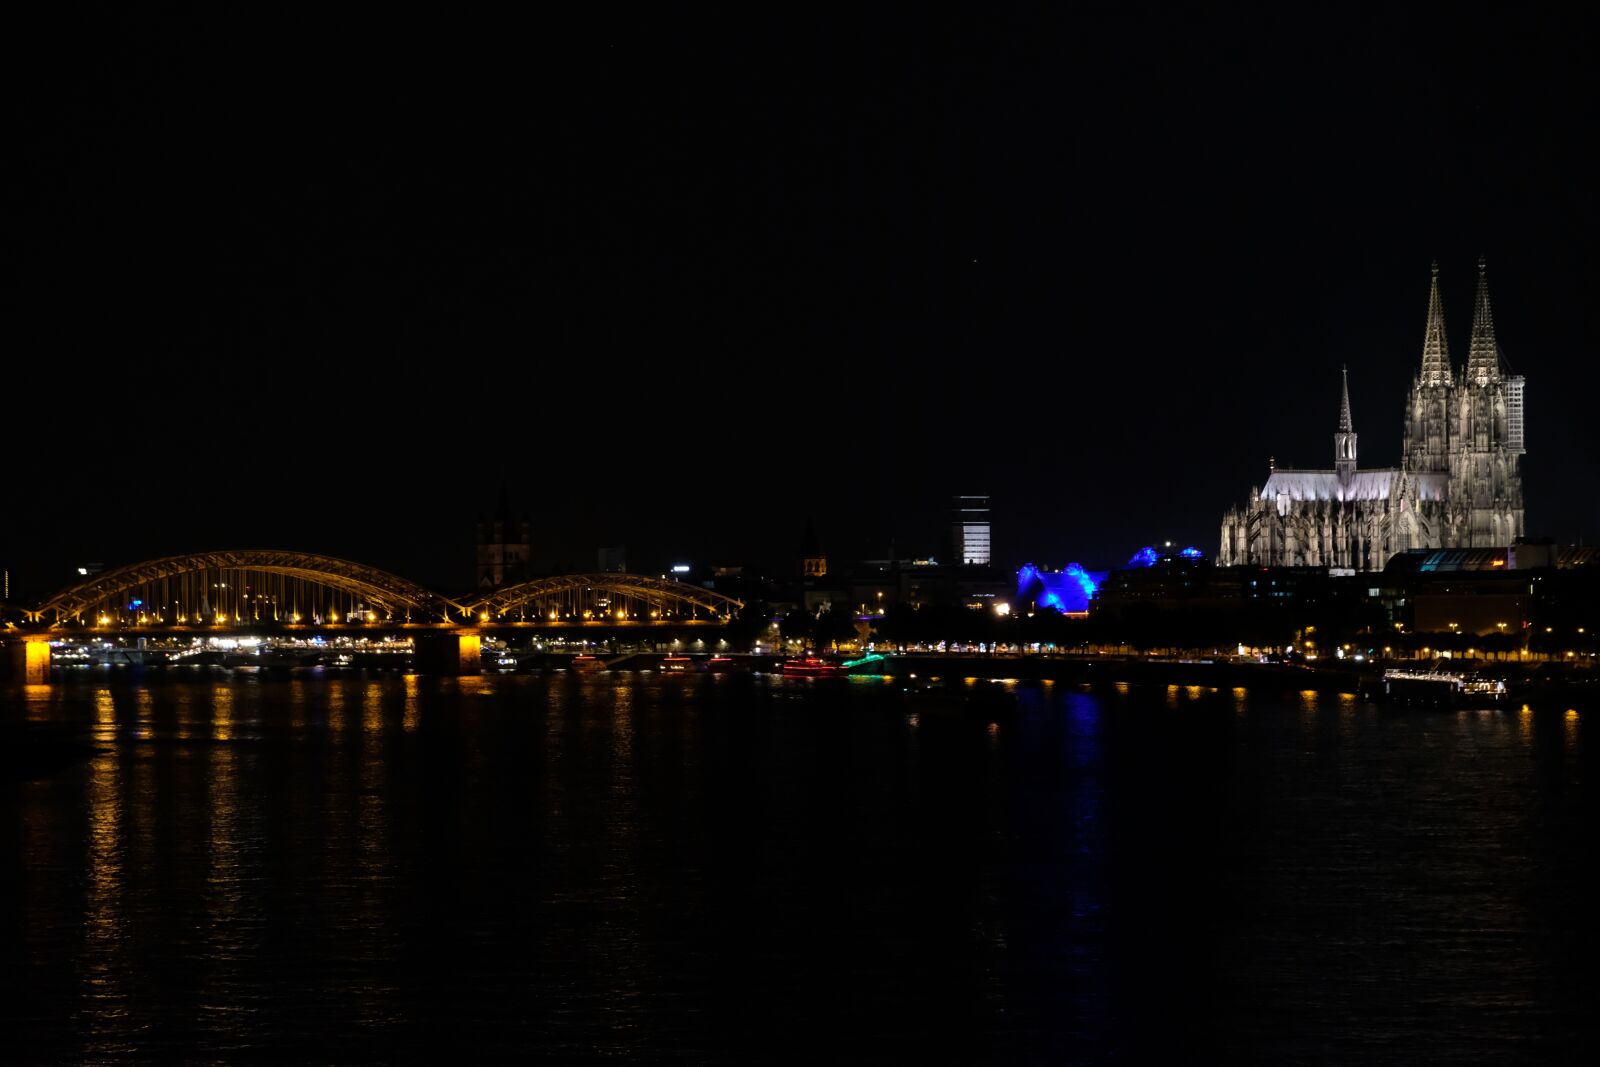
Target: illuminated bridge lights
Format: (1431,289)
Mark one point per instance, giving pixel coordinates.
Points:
(630,599)
(242,587)
(266,588)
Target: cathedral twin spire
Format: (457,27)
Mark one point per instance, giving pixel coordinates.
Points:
(1435,348)
(1483,354)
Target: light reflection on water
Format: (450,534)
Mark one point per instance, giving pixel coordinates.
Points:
(684,868)
(106,937)
(222,713)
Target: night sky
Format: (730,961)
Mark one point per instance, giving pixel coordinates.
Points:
(682,280)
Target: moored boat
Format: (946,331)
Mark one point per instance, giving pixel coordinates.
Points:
(1435,686)
(812,667)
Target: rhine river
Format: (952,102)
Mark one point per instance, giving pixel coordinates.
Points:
(739,869)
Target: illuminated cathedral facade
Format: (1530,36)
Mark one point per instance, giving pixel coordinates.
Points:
(1459,483)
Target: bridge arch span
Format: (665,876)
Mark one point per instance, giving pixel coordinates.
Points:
(382,591)
(569,597)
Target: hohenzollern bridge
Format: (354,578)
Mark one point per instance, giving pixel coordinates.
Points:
(297,593)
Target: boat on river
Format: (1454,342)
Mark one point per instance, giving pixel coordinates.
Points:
(813,667)
(1436,686)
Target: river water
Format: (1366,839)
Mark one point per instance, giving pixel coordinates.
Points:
(740,869)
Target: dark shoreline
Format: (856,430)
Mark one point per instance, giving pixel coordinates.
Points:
(1542,684)
(1534,684)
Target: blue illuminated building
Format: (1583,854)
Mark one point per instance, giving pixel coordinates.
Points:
(1149,556)
(1071,589)
(1068,590)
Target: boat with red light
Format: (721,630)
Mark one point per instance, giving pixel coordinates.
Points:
(812,667)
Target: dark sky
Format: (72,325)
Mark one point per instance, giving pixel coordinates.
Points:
(682,280)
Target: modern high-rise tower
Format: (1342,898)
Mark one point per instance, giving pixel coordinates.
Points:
(969,530)
(1459,483)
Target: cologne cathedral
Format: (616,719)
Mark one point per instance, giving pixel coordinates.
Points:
(1459,483)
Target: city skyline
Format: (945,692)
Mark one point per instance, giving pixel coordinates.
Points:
(684,286)
(736,535)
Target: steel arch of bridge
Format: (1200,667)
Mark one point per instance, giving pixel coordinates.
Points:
(380,588)
(655,591)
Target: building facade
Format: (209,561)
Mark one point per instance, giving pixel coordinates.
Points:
(969,530)
(1458,485)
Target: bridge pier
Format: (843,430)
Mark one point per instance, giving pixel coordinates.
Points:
(30,660)
(450,653)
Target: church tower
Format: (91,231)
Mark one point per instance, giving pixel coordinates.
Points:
(1344,442)
(1426,435)
(813,561)
(503,548)
(1486,445)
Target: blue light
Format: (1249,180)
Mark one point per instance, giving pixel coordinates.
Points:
(135,604)
(1026,581)
(1145,557)
(1087,582)
(1190,553)
(1068,590)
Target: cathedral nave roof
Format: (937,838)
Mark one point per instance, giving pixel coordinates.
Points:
(1362,485)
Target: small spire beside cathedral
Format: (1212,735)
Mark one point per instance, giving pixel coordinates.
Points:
(1344,400)
(1344,442)
(1435,348)
(1483,354)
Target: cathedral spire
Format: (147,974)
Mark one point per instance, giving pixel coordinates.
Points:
(1344,442)
(1344,401)
(1435,350)
(1483,355)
